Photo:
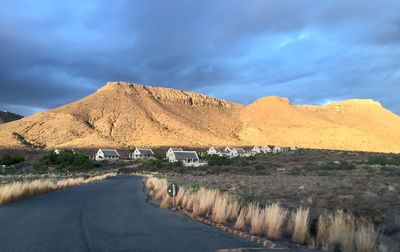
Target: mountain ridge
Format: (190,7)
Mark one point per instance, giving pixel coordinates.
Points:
(122,114)
(6,116)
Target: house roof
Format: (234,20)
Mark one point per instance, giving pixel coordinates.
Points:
(239,150)
(176,149)
(182,155)
(217,149)
(110,152)
(145,151)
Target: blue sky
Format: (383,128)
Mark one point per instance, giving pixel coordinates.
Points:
(313,52)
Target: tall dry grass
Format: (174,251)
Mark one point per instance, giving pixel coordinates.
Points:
(341,231)
(275,216)
(21,190)
(300,219)
(255,217)
(241,219)
(337,230)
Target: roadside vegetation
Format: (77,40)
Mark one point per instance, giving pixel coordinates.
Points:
(8,160)
(21,190)
(335,232)
(67,159)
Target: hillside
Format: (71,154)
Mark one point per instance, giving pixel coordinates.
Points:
(6,116)
(122,114)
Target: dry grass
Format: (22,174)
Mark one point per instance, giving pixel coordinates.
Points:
(365,237)
(340,231)
(220,208)
(204,201)
(21,190)
(241,219)
(335,231)
(300,218)
(255,217)
(275,216)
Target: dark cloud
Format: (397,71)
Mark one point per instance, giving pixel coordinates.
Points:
(54,52)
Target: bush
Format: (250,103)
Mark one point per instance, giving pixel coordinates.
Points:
(154,163)
(217,160)
(67,159)
(8,160)
(175,164)
(382,160)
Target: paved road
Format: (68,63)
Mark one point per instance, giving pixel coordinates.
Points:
(110,215)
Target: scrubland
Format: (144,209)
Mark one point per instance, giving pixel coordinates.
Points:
(336,190)
(334,231)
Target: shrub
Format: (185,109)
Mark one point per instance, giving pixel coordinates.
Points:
(66,159)
(382,160)
(8,160)
(217,160)
(153,163)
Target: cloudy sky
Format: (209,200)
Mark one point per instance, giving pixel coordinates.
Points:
(313,52)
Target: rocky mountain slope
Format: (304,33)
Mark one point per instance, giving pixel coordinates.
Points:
(122,114)
(6,116)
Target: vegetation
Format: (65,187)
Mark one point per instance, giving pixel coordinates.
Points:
(8,160)
(383,160)
(21,190)
(336,232)
(217,160)
(67,159)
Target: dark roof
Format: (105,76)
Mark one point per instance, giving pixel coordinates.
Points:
(176,149)
(239,150)
(182,155)
(110,153)
(146,152)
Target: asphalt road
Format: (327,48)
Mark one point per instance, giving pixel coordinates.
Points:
(110,215)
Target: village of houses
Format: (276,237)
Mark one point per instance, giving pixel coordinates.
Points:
(190,157)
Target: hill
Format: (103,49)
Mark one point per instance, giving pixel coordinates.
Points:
(6,116)
(122,115)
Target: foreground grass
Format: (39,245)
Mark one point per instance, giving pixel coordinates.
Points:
(335,232)
(22,190)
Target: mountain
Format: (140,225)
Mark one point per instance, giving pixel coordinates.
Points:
(6,116)
(122,114)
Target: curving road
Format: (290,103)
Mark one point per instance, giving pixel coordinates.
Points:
(110,215)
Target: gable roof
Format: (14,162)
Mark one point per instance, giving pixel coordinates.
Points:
(182,155)
(215,148)
(175,149)
(239,150)
(110,152)
(145,151)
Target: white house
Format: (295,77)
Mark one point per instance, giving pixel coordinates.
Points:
(58,151)
(265,149)
(237,152)
(188,158)
(255,150)
(277,149)
(214,151)
(107,154)
(142,154)
(293,148)
(227,149)
(170,150)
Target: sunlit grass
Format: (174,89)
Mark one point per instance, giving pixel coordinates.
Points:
(334,231)
(21,190)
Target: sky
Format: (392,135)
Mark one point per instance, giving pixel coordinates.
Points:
(313,52)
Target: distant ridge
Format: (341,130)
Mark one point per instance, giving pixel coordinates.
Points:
(122,114)
(6,116)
